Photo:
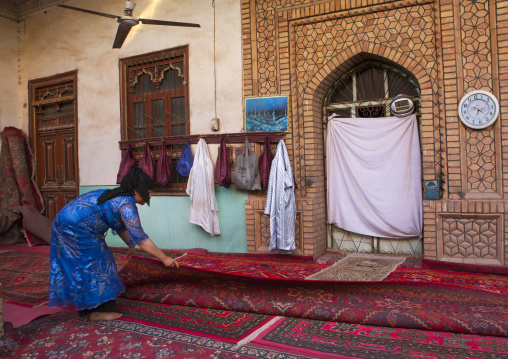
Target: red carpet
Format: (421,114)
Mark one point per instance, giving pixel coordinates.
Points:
(64,335)
(253,267)
(319,339)
(210,323)
(463,267)
(24,277)
(417,305)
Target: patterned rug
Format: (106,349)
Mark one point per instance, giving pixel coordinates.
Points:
(359,267)
(224,325)
(247,266)
(24,275)
(24,278)
(18,188)
(412,305)
(496,284)
(64,335)
(320,339)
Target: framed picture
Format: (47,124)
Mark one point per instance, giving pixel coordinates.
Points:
(263,114)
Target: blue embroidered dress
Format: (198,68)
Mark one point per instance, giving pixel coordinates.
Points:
(83,272)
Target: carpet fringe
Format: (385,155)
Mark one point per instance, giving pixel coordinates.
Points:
(256,333)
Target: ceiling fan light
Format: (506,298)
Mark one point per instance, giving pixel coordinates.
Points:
(129,5)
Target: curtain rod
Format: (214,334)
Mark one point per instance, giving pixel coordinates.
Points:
(209,138)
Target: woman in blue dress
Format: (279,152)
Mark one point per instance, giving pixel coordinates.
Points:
(83,273)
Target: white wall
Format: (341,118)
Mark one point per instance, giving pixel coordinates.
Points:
(59,40)
(10,107)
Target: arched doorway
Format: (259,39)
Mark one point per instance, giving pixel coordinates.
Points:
(366,92)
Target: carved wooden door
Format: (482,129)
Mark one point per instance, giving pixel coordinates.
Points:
(57,170)
(54,114)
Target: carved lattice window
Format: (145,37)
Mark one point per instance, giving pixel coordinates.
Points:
(155,105)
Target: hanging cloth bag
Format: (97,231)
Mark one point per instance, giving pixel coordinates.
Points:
(126,164)
(223,166)
(265,163)
(146,162)
(247,170)
(186,161)
(163,167)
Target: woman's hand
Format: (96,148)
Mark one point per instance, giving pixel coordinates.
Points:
(131,251)
(170,262)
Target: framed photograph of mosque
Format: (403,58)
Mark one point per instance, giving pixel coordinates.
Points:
(265,114)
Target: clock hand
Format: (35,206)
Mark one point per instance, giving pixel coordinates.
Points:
(480,111)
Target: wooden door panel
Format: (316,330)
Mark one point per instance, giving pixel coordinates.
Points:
(49,174)
(50,204)
(69,154)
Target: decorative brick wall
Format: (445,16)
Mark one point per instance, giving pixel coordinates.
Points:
(300,48)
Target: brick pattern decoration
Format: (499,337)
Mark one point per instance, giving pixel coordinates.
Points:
(301,47)
(471,231)
(476,59)
(262,232)
(470,237)
(258,226)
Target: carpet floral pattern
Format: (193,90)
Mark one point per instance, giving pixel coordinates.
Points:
(406,305)
(64,335)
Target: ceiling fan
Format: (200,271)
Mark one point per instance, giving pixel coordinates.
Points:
(126,22)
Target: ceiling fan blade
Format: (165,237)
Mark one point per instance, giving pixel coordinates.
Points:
(121,35)
(167,23)
(89,11)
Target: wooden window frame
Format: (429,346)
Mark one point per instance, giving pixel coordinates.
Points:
(135,64)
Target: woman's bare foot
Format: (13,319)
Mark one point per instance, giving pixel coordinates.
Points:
(97,316)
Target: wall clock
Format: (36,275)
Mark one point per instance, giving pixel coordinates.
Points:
(478,109)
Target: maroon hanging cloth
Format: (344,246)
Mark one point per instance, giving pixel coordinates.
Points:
(265,163)
(163,167)
(146,162)
(126,164)
(223,166)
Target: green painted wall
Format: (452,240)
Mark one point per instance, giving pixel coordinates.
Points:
(166,222)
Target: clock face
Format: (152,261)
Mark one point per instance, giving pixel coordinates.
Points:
(478,109)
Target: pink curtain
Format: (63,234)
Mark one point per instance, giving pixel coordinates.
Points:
(374,176)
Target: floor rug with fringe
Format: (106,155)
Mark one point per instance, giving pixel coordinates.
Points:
(359,267)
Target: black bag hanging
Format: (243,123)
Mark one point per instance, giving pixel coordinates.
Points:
(247,170)
(223,166)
